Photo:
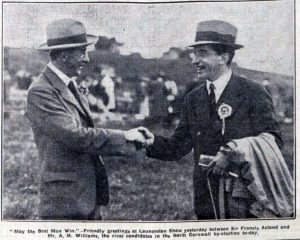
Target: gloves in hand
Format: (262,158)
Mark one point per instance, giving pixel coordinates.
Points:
(219,165)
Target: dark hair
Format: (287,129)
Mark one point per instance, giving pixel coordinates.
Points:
(221,49)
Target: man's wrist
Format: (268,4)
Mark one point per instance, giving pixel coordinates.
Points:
(150,145)
(151,142)
(225,150)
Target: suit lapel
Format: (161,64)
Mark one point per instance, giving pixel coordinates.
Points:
(232,94)
(66,94)
(85,103)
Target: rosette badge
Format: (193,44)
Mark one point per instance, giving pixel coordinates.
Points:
(224,111)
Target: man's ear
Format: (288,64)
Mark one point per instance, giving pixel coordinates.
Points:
(64,57)
(224,58)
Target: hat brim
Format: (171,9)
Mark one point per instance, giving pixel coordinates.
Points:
(235,46)
(91,39)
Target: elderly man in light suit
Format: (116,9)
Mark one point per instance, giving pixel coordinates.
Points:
(73,179)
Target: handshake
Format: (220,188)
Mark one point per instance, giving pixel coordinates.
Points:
(141,136)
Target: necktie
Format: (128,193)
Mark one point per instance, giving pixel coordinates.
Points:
(72,88)
(212,98)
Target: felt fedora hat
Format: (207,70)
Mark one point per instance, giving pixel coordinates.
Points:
(216,32)
(66,33)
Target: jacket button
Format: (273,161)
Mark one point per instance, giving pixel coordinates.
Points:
(198,133)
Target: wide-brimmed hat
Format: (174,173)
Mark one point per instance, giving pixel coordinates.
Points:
(216,32)
(66,33)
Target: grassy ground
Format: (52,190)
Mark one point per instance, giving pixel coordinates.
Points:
(140,188)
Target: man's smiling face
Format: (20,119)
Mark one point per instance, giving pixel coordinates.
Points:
(207,62)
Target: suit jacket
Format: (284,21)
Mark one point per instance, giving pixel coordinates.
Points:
(72,177)
(252,114)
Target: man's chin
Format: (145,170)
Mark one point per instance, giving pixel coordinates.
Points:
(78,72)
(202,76)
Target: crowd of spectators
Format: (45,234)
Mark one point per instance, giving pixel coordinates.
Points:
(155,99)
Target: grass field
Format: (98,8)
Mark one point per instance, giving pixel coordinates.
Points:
(140,188)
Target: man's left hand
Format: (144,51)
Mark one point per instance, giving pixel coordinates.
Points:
(219,165)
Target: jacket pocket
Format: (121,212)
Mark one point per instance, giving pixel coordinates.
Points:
(59,176)
(58,185)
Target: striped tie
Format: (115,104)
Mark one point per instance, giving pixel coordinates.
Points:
(212,99)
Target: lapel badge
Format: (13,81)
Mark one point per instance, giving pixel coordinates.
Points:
(224,111)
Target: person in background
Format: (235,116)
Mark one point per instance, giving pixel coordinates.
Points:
(108,73)
(172,92)
(98,98)
(142,98)
(7,84)
(158,104)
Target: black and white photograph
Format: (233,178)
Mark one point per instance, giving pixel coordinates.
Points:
(136,112)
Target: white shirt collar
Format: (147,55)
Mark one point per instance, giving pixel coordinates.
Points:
(60,74)
(220,84)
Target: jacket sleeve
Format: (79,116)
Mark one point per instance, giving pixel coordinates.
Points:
(262,115)
(49,117)
(175,147)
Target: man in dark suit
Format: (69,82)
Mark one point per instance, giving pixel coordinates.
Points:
(224,107)
(73,182)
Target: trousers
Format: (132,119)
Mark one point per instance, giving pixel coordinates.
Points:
(95,215)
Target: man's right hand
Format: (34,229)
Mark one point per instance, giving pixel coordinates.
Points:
(139,135)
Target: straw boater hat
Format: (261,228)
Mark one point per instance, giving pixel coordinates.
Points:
(216,32)
(66,33)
